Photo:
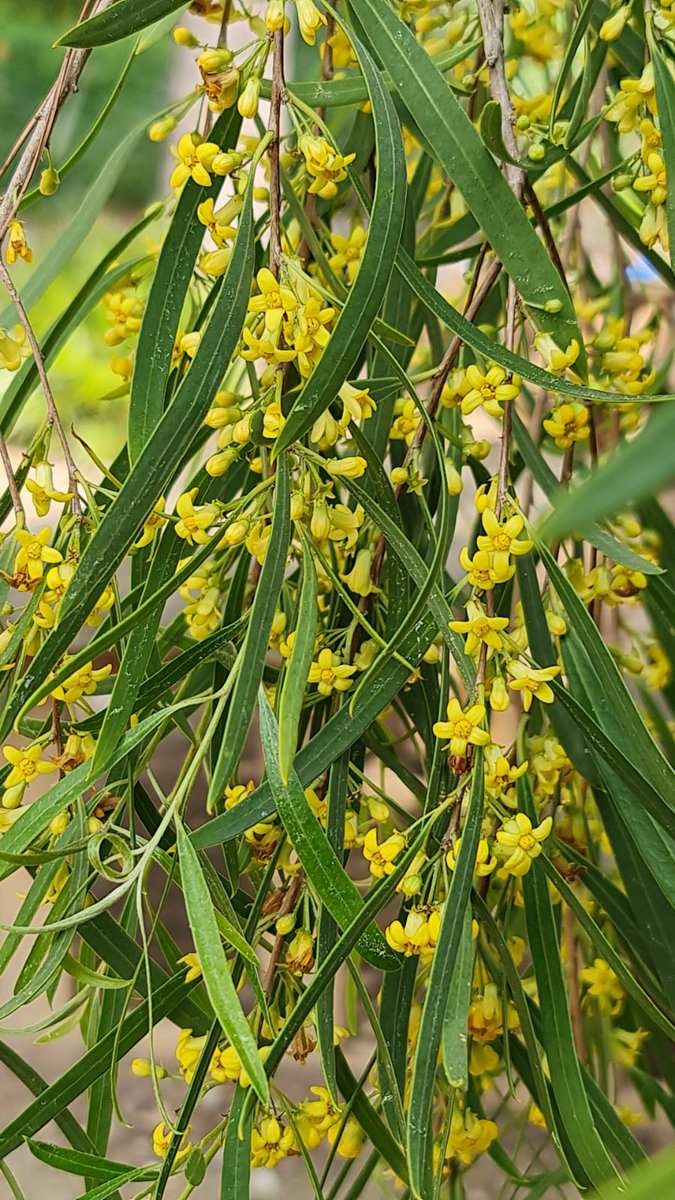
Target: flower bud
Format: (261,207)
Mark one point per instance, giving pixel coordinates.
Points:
(49,181)
(247,104)
(161,129)
(211,61)
(285,924)
(537,152)
(274,17)
(185,37)
(613,27)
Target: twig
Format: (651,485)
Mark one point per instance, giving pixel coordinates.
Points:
(43,121)
(53,415)
(17,503)
(287,905)
(224,21)
(491,13)
(273,153)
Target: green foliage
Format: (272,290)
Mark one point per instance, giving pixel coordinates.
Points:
(349,637)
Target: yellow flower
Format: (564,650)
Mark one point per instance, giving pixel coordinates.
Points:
(613,27)
(359,579)
(520,842)
(418,936)
(152,525)
(655,181)
(502,540)
(482,571)
(273,420)
(351,1138)
(568,423)
(462,728)
(469,1135)
(34,553)
(27,765)
(194,519)
(326,167)
(351,467)
(218,222)
(480,629)
(603,983)
(485,860)
(311,335)
(274,300)
(195,159)
(330,674)
(348,251)
(13,349)
(486,1015)
(81,683)
(17,246)
(488,390)
(300,953)
(194,967)
(382,857)
(270,1142)
(532,681)
(556,360)
(357,404)
(42,490)
(161,1139)
(500,775)
(310,20)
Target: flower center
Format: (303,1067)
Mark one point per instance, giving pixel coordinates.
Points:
(463,729)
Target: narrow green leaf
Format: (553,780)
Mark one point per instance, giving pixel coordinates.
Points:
(161,454)
(242,701)
(319,860)
(556,1025)
(117,22)
(166,297)
(78,1162)
(455,1038)
(236,1168)
(444,962)
(295,681)
(217,977)
(367,291)
(456,145)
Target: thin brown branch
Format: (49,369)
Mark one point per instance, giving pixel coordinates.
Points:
(12,486)
(42,123)
(52,411)
(273,153)
(287,906)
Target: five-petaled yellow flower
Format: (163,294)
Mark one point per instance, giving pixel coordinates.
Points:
(463,728)
(532,681)
(275,301)
(35,552)
(195,158)
(519,842)
(480,629)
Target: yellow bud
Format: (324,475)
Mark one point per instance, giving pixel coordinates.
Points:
(184,37)
(211,60)
(613,27)
(247,103)
(59,824)
(274,17)
(399,476)
(297,506)
(142,1067)
(285,924)
(499,696)
(237,532)
(161,129)
(453,477)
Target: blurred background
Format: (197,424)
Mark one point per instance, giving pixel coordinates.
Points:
(28,66)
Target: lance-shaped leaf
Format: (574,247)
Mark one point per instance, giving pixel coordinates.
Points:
(117,22)
(160,457)
(215,968)
(453,141)
(242,702)
(295,681)
(367,291)
(319,860)
(420,1131)
(166,297)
